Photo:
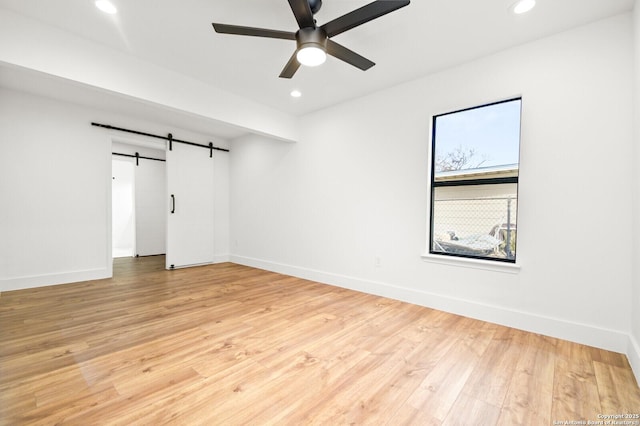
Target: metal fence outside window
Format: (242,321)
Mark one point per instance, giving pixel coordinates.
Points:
(480,227)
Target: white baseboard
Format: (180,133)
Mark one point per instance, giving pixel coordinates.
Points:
(32,281)
(221,258)
(21,283)
(633,353)
(586,334)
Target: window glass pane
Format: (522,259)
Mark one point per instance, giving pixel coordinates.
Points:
(476,138)
(476,221)
(475,182)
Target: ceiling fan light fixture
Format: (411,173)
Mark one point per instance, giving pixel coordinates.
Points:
(313,42)
(523,6)
(311,55)
(106,6)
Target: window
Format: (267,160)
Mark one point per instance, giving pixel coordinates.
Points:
(474,182)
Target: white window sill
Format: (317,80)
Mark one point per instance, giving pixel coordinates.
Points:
(487,265)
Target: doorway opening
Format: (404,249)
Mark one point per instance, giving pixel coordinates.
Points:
(138,201)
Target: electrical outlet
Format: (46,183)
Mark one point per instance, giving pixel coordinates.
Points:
(377,262)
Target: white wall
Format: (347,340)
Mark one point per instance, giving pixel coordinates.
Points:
(634,347)
(54,173)
(221,232)
(355,188)
(55,186)
(151,208)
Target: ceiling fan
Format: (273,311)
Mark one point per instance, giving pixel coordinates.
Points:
(314,42)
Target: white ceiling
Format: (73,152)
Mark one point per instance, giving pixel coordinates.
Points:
(422,38)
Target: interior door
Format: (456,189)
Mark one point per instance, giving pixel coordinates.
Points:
(151,213)
(190,223)
(123,207)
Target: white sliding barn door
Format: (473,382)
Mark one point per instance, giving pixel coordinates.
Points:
(190,224)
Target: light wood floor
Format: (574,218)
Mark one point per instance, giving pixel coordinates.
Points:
(228,344)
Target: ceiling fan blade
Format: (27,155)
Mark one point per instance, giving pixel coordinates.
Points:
(292,66)
(302,12)
(363,15)
(251,31)
(349,56)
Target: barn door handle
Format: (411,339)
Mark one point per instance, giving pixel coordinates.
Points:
(173,203)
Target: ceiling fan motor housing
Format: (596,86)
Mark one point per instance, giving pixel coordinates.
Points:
(311,37)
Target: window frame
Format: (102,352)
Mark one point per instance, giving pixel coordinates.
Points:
(468,182)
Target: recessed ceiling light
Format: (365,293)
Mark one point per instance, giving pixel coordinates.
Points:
(523,6)
(296,93)
(106,6)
